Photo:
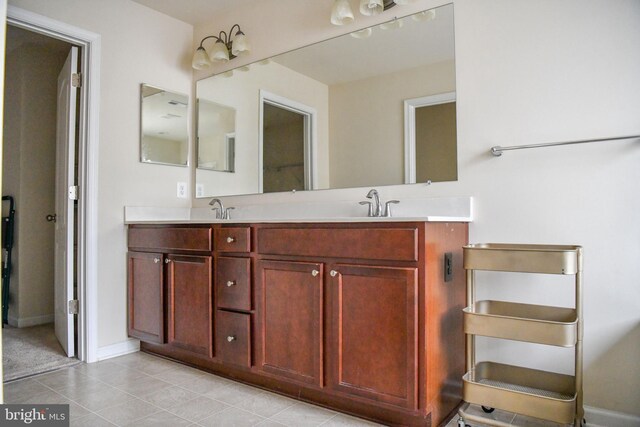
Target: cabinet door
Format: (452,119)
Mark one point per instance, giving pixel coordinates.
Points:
(190,303)
(289,313)
(374,332)
(146,294)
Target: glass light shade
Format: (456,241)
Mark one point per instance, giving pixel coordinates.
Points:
(200,59)
(427,15)
(240,45)
(371,7)
(341,13)
(219,52)
(362,34)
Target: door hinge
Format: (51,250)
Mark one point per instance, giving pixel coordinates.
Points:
(76,79)
(73,306)
(73,192)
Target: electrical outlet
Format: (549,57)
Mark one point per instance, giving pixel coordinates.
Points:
(182,190)
(199,190)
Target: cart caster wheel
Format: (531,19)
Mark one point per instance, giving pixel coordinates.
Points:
(488,409)
(461,423)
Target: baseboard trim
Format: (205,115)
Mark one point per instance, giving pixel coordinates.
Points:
(118,349)
(599,417)
(25,322)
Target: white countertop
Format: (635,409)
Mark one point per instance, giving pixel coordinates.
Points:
(433,209)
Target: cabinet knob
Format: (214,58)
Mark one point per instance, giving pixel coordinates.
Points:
(231,338)
(156,260)
(231,239)
(231,283)
(167,261)
(314,273)
(333,273)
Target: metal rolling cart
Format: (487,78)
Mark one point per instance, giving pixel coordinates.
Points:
(541,394)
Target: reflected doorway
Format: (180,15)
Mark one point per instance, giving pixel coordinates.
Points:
(287,142)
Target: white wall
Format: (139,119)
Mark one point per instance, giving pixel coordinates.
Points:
(527,72)
(138,46)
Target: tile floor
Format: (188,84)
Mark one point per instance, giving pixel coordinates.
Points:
(142,390)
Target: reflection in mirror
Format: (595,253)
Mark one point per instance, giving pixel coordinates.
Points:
(216,136)
(358,85)
(164,137)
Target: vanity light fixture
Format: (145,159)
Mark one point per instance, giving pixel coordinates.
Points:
(341,13)
(227,46)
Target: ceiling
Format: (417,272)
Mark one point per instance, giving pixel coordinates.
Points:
(193,12)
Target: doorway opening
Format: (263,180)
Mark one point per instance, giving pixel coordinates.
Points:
(41,137)
(287,144)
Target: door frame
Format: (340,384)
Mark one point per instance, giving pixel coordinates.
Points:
(310,115)
(88,140)
(410,106)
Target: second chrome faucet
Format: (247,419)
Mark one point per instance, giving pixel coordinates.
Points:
(220,211)
(375,205)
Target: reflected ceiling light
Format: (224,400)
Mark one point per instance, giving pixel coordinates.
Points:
(392,25)
(227,46)
(404,1)
(362,34)
(341,13)
(371,7)
(426,15)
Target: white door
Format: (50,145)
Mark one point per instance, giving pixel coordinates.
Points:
(65,178)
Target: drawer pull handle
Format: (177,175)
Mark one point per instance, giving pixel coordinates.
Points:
(230,283)
(156,260)
(167,261)
(333,273)
(314,273)
(231,338)
(231,239)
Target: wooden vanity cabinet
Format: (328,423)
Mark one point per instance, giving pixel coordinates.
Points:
(171,287)
(358,317)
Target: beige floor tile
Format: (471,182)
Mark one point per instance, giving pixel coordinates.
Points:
(303,415)
(342,420)
(98,369)
(62,378)
(19,391)
(144,386)
(232,394)
(207,384)
(47,397)
(91,420)
(123,376)
(129,412)
(265,404)
(270,423)
(524,421)
(170,397)
(103,399)
(180,375)
(77,411)
(83,389)
(232,417)
(198,409)
(162,419)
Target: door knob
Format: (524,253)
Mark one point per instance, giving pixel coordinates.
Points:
(230,283)
(314,273)
(333,273)
(156,260)
(230,239)
(51,218)
(231,338)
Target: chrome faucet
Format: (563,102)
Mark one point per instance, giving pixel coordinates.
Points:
(376,208)
(220,211)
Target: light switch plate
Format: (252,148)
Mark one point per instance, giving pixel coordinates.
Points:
(182,190)
(199,190)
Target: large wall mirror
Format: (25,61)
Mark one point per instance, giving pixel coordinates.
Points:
(164,136)
(374,107)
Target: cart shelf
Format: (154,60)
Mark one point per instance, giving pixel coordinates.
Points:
(525,391)
(551,259)
(522,322)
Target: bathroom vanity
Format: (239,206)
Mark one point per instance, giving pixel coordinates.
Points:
(364,317)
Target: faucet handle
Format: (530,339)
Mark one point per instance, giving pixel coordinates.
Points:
(387,207)
(216,213)
(370,213)
(227,213)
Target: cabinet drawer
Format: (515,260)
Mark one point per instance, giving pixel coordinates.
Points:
(170,238)
(233,337)
(233,239)
(392,244)
(233,283)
